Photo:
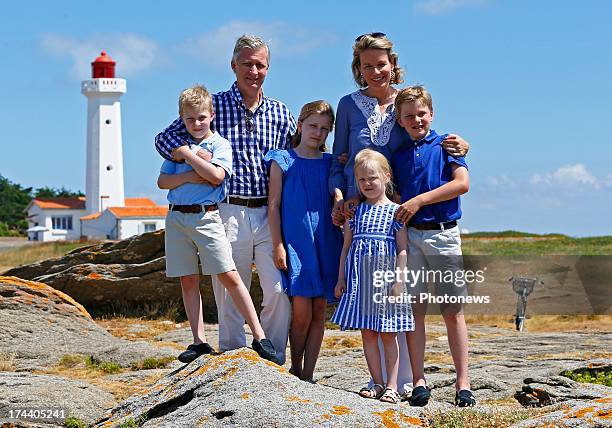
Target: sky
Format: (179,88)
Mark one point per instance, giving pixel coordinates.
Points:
(527,83)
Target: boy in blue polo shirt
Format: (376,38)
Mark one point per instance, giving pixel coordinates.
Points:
(430,182)
(193,224)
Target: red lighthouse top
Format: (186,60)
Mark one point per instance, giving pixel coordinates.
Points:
(103,66)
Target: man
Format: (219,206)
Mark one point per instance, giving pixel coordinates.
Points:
(253,124)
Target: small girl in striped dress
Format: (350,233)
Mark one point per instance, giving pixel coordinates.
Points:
(374,244)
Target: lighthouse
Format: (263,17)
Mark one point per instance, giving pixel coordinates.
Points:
(104,173)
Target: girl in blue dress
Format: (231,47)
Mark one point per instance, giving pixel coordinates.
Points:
(306,244)
(375,244)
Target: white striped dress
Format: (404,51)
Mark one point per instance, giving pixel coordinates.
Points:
(373,250)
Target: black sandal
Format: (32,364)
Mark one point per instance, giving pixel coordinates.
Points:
(465,398)
(420,396)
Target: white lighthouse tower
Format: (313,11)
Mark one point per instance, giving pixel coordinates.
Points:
(104,174)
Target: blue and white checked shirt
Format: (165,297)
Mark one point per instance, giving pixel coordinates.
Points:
(274,126)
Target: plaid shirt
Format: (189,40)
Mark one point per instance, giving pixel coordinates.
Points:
(274,126)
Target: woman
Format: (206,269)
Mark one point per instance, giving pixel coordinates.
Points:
(366,119)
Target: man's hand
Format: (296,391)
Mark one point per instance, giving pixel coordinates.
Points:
(408,209)
(340,288)
(280,257)
(455,145)
(338,213)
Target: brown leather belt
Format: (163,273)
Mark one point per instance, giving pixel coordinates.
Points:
(193,209)
(248,202)
(434,226)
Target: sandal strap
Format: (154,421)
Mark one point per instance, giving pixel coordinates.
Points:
(391,396)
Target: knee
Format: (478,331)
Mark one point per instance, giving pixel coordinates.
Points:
(388,338)
(452,316)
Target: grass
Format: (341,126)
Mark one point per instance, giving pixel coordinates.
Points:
(598,376)
(152,363)
(540,323)
(36,252)
(7,361)
(74,422)
(104,366)
(120,327)
(468,418)
(499,245)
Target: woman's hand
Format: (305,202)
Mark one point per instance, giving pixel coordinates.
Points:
(350,206)
(280,257)
(338,209)
(343,158)
(340,288)
(455,145)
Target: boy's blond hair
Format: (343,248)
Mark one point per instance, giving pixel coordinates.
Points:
(196,96)
(366,42)
(315,107)
(413,94)
(368,158)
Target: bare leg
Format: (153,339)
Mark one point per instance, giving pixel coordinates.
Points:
(372,354)
(315,337)
(300,323)
(416,344)
(458,343)
(190,286)
(391,358)
(242,300)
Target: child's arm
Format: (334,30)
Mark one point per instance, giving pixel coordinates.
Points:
(348,239)
(212,173)
(401,242)
(172,181)
(459,185)
(275,193)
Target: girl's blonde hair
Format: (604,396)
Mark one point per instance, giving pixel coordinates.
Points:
(366,42)
(371,159)
(315,107)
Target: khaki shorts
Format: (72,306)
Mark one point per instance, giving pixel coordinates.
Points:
(188,235)
(435,257)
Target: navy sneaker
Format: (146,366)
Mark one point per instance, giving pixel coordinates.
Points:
(265,349)
(194,351)
(465,398)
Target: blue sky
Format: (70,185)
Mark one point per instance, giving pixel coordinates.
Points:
(527,83)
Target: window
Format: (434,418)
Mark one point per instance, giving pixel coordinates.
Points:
(150,227)
(62,223)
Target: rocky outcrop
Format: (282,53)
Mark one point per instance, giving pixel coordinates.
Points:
(44,392)
(240,389)
(39,325)
(125,277)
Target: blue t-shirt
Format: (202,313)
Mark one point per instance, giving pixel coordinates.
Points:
(421,166)
(191,193)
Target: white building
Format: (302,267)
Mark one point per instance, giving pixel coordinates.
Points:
(139,215)
(55,219)
(104,212)
(65,219)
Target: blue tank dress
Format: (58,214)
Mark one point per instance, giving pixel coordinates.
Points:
(363,305)
(312,242)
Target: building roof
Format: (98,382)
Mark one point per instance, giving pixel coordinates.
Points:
(125,212)
(134,207)
(91,216)
(139,202)
(61,203)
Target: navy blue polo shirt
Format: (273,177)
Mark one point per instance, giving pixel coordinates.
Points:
(421,166)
